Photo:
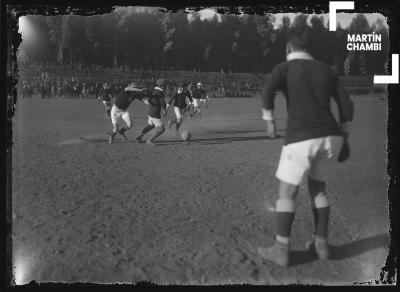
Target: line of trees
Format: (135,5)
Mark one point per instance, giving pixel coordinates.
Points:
(152,40)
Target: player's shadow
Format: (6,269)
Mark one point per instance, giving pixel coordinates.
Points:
(221,140)
(340,252)
(233,132)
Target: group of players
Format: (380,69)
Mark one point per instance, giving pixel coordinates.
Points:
(313,143)
(183,100)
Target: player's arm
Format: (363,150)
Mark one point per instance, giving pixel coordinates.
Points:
(163,106)
(171,100)
(273,84)
(346,112)
(134,89)
(345,106)
(99,98)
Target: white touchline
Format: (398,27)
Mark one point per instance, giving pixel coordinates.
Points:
(337,5)
(392,79)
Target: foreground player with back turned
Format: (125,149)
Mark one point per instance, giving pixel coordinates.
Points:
(119,109)
(157,106)
(314,141)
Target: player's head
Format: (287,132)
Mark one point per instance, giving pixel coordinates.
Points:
(181,85)
(162,83)
(298,41)
(105,85)
(133,84)
(199,85)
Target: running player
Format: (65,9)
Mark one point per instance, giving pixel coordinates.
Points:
(313,141)
(157,106)
(105,97)
(199,95)
(119,109)
(180,102)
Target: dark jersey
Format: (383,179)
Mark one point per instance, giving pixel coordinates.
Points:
(125,97)
(157,103)
(199,93)
(105,94)
(308,86)
(179,99)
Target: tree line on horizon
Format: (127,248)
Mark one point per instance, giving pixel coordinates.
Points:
(153,40)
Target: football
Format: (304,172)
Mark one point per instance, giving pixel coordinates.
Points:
(185,135)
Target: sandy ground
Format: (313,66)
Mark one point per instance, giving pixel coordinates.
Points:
(191,213)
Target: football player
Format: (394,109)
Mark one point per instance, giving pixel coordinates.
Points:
(105,97)
(157,107)
(314,141)
(199,95)
(180,101)
(120,106)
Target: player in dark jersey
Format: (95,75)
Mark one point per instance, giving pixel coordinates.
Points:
(119,109)
(314,141)
(180,102)
(157,106)
(199,95)
(105,97)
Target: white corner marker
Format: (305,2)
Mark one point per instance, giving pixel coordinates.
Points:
(337,5)
(392,79)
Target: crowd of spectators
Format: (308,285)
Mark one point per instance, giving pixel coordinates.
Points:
(75,81)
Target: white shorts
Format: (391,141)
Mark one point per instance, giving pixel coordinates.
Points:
(196,102)
(155,122)
(117,114)
(178,112)
(315,156)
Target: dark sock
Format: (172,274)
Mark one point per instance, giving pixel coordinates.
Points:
(178,124)
(321,227)
(284,223)
(157,132)
(315,216)
(122,131)
(147,129)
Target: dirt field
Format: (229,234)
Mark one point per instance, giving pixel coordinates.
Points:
(192,213)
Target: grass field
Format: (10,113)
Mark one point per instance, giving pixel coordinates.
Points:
(87,211)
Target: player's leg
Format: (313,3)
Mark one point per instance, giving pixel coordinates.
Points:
(159,129)
(115,116)
(128,124)
(178,124)
(179,117)
(293,164)
(108,109)
(320,172)
(196,106)
(145,130)
(320,209)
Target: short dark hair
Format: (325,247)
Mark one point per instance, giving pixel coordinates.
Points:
(299,40)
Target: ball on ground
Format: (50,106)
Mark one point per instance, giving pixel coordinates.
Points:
(185,135)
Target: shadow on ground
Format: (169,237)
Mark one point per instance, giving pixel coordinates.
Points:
(203,141)
(344,251)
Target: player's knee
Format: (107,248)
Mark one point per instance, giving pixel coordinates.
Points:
(315,187)
(161,128)
(287,191)
(179,120)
